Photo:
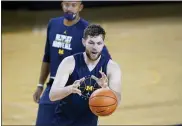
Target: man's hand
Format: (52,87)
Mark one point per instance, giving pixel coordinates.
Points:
(37,94)
(74,87)
(103,81)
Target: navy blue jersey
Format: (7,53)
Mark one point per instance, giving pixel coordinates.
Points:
(75,107)
(63,41)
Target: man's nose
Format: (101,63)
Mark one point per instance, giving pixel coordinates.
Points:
(94,47)
(69,8)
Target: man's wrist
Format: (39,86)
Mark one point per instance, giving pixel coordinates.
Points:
(40,85)
(70,89)
(107,87)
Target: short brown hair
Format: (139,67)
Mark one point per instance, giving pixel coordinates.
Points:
(94,30)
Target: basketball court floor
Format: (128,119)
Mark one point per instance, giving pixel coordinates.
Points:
(148,50)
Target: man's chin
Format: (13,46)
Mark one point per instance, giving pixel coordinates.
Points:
(94,58)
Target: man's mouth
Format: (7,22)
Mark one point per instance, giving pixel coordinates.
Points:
(94,53)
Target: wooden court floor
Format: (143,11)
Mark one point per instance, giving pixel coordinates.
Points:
(149,52)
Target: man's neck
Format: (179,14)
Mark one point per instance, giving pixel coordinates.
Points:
(70,23)
(90,62)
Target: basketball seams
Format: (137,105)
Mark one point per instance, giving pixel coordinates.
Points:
(102,106)
(103,96)
(105,102)
(100,111)
(105,105)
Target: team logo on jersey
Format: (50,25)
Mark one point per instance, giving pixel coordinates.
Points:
(88,86)
(65,32)
(62,41)
(61,51)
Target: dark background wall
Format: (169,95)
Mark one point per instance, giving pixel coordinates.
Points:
(38,13)
(53,5)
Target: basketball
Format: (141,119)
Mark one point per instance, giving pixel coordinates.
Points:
(103,102)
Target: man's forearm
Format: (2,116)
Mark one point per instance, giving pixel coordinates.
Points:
(44,72)
(59,93)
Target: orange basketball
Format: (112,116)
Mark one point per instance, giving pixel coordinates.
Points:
(103,102)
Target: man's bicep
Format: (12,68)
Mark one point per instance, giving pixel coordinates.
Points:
(46,57)
(63,73)
(61,77)
(115,79)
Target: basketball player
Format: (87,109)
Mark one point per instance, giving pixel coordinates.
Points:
(79,75)
(64,38)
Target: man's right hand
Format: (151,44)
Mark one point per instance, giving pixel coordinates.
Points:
(74,87)
(37,94)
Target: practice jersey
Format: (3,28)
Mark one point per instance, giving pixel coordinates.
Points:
(75,107)
(63,41)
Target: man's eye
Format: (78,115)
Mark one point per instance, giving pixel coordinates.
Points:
(91,43)
(66,4)
(73,5)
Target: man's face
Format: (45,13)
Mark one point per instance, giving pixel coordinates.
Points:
(72,6)
(94,46)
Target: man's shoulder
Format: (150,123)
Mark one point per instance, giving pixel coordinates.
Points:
(84,22)
(69,59)
(76,55)
(55,20)
(113,64)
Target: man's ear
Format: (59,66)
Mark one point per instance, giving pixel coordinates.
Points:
(83,42)
(81,7)
(61,4)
